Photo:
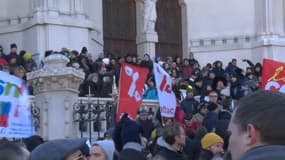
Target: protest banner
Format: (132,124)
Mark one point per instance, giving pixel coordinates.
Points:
(167,99)
(15,113)
(273,76)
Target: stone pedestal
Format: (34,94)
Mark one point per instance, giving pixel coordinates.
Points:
(146,39)
(56,90)
(146,44)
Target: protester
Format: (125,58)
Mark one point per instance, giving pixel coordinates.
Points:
(171,143)
(256,127)
(212,147)
(12,151)
(102,150)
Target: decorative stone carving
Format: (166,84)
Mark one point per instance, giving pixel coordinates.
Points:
(60,84)
(149,14)
(55,75)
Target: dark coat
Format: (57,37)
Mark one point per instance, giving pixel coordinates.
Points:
(189,105)
(193,148)
(131,154)
(205,155)
(165,152)
(210,121)
(270,152)
(84,89)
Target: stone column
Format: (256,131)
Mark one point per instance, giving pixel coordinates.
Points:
(185,39)
(77,7)
(46,7)
(269,24)
(56,90)
(146,36)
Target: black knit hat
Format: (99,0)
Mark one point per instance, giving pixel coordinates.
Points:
(212,106)
(13,45)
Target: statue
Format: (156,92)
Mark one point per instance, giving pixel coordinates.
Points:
(149,15)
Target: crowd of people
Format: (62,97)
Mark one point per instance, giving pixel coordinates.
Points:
(255,133)
(207,125)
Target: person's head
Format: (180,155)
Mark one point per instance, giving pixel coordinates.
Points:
(143,115)
(32,142)
(73,54)
(151,83)
(12,151)
(146,57)
(214,143)
(128,58)
(185,62)
(28,56)
(212,107)
(175,136)
(213,96)
(93,77)
(62,149)
(202,108)
(1,50)
(19,71)
(258,120)
(102,150)
(212,75)
(13,48)
(190,93)
(234,62)
(84,50)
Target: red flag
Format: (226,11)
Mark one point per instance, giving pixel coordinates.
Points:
(273,76)
(131,89)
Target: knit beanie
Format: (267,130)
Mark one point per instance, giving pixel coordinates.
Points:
(210,139)
(28,56)
(108,146)
(212,106)
(57,149)
(131,131)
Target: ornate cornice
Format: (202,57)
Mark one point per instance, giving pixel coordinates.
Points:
(55,76)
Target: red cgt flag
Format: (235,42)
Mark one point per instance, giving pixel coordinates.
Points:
(131,89)
(273,76)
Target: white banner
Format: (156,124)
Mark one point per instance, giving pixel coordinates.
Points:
(167,100)
(15,113)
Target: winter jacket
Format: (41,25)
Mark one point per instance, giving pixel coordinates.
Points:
(210,121)
(269,152)
(166,152)
(189,105)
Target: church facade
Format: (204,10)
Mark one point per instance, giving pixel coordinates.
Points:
(208,30)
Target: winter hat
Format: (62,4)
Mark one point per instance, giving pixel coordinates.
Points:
(106,61)
(130,132)
(212,106)
(13,45)
(57,149)
(108,147)
(32,142)
(210,139)
(27,56)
